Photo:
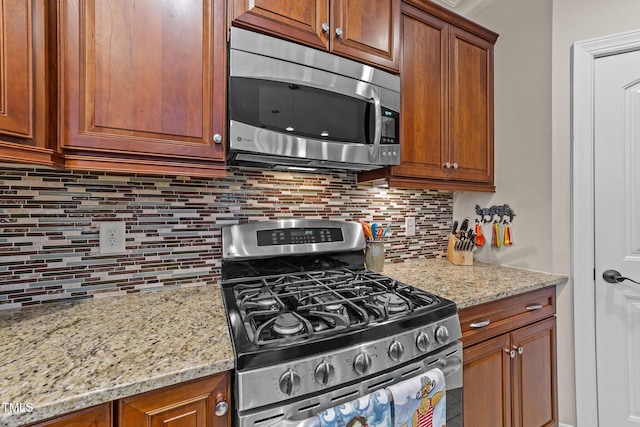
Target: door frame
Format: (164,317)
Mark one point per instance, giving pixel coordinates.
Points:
(583,57)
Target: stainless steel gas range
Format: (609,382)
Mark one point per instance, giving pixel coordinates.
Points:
(313,329)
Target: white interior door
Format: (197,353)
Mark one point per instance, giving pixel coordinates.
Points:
(617,238)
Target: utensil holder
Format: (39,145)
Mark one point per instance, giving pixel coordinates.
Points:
(374,256)
(458,257)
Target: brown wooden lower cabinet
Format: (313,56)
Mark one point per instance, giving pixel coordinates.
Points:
(189,404)
(510,377)
(97,416)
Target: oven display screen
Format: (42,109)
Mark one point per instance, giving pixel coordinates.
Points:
(299,236)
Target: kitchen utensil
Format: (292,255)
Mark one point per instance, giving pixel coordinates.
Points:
(495,238)
(507,234)
(465,225)
(455,227)
(384,233)
(480,239)
(366,228)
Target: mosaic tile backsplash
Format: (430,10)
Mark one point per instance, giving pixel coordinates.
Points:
(49,225)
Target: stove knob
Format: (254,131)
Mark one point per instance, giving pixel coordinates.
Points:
(422,341)
(324,373)
(362,363)
(396,351)
(289,382)
(442,334)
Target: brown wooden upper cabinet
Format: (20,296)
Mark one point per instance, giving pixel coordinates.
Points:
(447,103)
(365,30)
(23,80)
(142,85)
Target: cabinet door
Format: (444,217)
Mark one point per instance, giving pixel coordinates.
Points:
(470,107)
(297,20)
(423,126)
(367,31)
(97,416)
(534,383)
(143,78)
(23,79)
(487,383)
(185,405)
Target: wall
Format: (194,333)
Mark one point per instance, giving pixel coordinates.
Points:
(49,225)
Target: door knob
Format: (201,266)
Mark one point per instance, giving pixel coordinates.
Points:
(613,276)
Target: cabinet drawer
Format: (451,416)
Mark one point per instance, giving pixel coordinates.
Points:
(488,320)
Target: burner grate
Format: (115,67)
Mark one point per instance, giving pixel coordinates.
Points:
(285,308)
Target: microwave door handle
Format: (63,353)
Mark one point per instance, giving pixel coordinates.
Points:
(378,129)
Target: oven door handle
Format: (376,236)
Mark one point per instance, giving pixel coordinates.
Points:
(448,366)
(309,422)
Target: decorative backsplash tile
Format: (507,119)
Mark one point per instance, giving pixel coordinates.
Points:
(49,224)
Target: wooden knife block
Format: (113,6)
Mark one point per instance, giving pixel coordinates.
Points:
(458,257)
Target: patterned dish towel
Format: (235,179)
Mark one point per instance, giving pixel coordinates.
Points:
(420,401)
(372,410)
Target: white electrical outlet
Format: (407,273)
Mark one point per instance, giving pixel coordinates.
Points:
(112,237)
(410,226)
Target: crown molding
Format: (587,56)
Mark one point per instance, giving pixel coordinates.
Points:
(464,7)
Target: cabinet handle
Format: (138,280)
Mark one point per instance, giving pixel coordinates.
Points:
(520,350)
(339,32)
(534,307)
(325,27)
(221,408)
(512,353)
(447,165)
(217,138)
(455,166)
(480,324)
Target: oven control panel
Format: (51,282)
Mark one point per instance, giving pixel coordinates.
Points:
(298,236)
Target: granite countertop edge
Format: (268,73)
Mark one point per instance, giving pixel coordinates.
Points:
(65,357)
(466,285)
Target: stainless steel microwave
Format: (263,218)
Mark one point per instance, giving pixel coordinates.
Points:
(295,107)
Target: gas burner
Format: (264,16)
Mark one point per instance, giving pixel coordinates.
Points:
(265,300)
(330,303)
(393,303)
(286,324)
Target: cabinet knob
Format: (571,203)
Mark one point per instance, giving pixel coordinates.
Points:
(217,138)
(447,165)
(339,32)
(325,27)
(455,166)
(222,408)
(512,353)
(520,350)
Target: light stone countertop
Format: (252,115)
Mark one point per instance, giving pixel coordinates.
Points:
(469,285)
(67,356)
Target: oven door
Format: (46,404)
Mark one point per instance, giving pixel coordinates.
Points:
(302,412)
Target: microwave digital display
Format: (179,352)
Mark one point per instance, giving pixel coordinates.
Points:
(390,126)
